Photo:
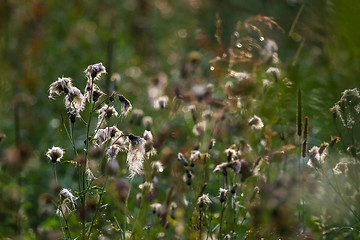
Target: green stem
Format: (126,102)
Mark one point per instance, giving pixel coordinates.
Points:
(97,207)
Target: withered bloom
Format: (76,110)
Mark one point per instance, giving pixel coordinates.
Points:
(94,71)
(74,100)
(203,200)
(125,105)
(255,122)
(62,85)
(182,159)
(136,155)
(222,194)
(67,203)
(55,154)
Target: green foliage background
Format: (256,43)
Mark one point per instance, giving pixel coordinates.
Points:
(43,40)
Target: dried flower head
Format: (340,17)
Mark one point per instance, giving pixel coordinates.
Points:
(340,168)
(106,111)
(182,159)
(231,153)
(255,122)
(74,100)
(62,85)
(203,200)
(274,71)
(156,208)
(147,186)
(188,176)
(315,160)
(137,116)
(161,102)
(149,144)
(126,106)
(157,166)
(147,122)
(105,134)
(222,195)
(199,128)
(112,151)
(66,203)
(222,168)
(94,71)
(136,155)
(55,154)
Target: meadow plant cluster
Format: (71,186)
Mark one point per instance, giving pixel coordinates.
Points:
(205,154)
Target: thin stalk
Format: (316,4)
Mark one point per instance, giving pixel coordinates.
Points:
(200,222)
(126,207)
(98,207)
(55,175)
(221,220)
(340,195)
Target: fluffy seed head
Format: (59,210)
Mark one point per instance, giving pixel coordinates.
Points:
(55,154)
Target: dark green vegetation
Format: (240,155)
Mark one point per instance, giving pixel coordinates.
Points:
(219,64)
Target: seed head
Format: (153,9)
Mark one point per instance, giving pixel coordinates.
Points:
(255,122)
(203,200)
(126,106)
(55,154)
(62,85)
(94,71)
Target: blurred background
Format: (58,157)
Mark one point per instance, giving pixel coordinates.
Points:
(137,40)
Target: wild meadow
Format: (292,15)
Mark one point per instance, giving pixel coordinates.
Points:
(179,120)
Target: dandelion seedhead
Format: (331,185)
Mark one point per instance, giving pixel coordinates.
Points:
(55,154)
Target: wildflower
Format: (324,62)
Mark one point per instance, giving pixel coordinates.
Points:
(97,93)
(194,156)
(103,135)
(255,122)
(73,114)
(94,71)
(149,144)
(161,102)
(60,86)
(212,143)
(182,159)
(235,165)
(66,204)
(149,186)
(112,166)
(273,71)
(147,122)
(55,154)
(156,208)
(112,96)
(137,116)
(126,106)
(188,176)
(231,153)
(314,157)
(340,168)
(203,200)
(157,86)
(223,194)
(136,155)
(157,166)
(239,75)
(199,128)
(106,111)
(233,189)
(89,174)
(112,151)
(74,100)
(221,168)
